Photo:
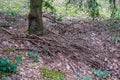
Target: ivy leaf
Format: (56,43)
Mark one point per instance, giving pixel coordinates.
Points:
(19,58)
(33,56)
(83,77)
(101,73)
(106,73)
(88,78)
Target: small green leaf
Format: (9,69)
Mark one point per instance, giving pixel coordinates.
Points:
(33,56)
(83,77)
(106,73)
(88,78)
(19,58)
(101,73)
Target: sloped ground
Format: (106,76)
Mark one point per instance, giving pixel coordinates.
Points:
(72,48)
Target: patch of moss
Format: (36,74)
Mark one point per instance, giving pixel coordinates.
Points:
(7,50)
(52,75)
(30,31)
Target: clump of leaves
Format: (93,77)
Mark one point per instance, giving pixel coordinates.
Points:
(101,74)
(8,66)
(34,56)
(52,75)
(115,38)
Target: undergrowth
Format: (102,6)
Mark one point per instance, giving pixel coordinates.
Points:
(14,7)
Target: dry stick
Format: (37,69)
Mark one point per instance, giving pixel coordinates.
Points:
(48,41)
(34,42)
(41,46)
(39,38)
(7,31)
(25,49)
(73,68)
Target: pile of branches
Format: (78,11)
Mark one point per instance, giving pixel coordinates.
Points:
(50,45)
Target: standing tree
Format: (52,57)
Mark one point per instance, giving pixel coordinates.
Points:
(35,17)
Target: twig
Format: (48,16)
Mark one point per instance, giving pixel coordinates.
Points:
(73,68)
(24,49)
(7,31)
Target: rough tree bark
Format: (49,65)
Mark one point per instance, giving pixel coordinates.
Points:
(35,17)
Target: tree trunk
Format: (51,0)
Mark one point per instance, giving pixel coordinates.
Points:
(35,17)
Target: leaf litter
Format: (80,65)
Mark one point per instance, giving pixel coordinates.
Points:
(72,48)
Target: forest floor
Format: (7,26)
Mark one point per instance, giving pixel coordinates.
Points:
(70,47)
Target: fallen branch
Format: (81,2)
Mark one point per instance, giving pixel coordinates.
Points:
(6,30)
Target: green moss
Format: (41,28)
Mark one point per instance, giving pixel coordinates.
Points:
(8,50)
(32,30)
(52,75)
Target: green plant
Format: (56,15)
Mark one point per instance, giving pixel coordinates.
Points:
(5,77)
(52,75)
(101,74)
(8,50)
(117,15)
(34,56)
(6,65)
(115,38)
(83,77)
(11,12)
(5,25)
